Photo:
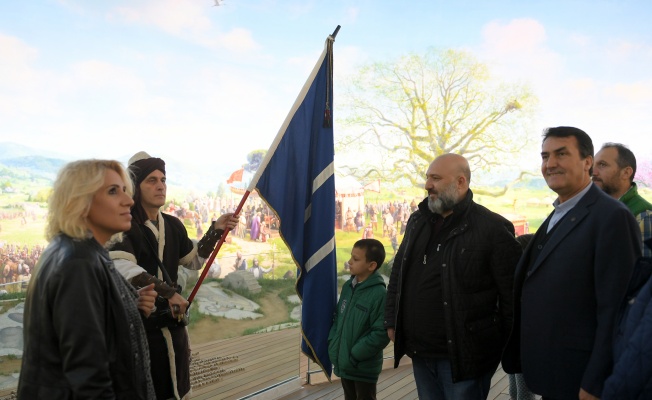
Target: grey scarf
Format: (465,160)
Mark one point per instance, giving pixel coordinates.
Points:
(138,338)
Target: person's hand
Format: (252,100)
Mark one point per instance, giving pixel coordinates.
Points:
(146,299)
(178,305)
(584,395)
(390,334)
(228,220)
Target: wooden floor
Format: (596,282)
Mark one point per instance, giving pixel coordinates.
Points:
(249,364)
(267,359)
(393,384)
(270,358)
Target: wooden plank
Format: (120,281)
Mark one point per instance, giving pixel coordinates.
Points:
(249,381)
(387,380)
(499,386)
(267,358)
(498,375)
(247,385)
(331,391)
(405,388)
(304,393)
(266,368)
(395,384)
(321,391)
(249,344)
(259,373)
(390,377)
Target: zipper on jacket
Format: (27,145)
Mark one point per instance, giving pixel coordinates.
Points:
(425,256)
(406,239)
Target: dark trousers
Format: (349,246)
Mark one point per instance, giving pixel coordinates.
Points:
(356,390)
(160,365)
(434,380)
(160,362)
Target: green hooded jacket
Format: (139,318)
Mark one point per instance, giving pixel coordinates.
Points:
(358,337)
(634,201)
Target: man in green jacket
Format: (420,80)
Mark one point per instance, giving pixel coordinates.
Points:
(613,172)
(358,337)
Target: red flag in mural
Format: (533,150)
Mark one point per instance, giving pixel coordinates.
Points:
(236,176)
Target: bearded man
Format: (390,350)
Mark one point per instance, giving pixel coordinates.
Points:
(449,300)
(613,172)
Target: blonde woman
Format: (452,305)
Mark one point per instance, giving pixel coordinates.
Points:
(83,335)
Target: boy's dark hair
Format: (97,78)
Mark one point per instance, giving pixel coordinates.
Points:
(373,250)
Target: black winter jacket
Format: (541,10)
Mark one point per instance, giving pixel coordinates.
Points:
(76,341)
(477,273)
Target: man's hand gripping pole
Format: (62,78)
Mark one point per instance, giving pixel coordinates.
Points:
(207,267)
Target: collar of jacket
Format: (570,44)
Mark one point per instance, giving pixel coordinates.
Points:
(458,209)
(634,201)
(372,280)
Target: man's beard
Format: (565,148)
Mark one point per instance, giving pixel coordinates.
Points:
(446,200)
(609,189)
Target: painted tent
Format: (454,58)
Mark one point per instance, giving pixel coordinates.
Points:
(349,193)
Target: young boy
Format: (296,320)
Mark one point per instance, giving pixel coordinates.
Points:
(358,337)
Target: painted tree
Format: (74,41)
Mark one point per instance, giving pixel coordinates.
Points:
(411,110)
(644,173)
(254,158)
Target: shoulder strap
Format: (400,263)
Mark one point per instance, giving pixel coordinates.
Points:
(164,271)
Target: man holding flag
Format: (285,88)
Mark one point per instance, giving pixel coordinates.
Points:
(152,252)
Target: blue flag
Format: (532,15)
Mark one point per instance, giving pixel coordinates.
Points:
(296,179)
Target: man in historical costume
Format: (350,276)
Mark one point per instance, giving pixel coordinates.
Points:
(368,232)
(613,172)
(152,251)
(255,226)
(240,263)
(258,270)
(388,221)
(359,220)
(242,226)
(393,238)
(350,224)
(264,232)
(373,216)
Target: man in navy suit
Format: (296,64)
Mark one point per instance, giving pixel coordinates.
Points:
(571,278)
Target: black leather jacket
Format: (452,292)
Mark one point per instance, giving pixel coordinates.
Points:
(477,274)
(76,340)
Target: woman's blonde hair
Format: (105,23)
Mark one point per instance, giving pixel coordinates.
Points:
(72,195)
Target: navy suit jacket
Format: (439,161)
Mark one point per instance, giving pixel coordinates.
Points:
(569,297)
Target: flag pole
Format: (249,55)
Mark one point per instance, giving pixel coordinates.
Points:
(335,31)
(207,267)
(281,132)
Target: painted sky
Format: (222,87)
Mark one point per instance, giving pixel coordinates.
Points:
(207,84)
